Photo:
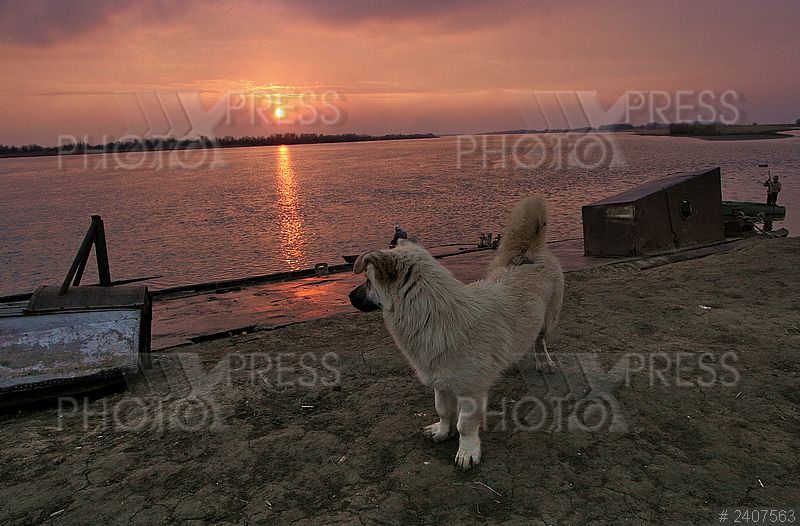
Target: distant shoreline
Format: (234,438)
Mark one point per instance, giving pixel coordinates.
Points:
(722,132)
(743,137)
(709,132)
(128,148)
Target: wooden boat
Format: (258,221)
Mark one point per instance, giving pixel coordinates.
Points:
(753,209)
(70,338)
(83,340)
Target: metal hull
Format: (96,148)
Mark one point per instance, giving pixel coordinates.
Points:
(56,349)
(674,213)
(59,344)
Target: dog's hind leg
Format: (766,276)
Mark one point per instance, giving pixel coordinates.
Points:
(541,350)
(447,408)
(550,321)
(470,419)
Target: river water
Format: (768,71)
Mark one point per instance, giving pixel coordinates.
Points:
(202,215)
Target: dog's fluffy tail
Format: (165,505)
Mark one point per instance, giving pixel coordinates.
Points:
(525,234)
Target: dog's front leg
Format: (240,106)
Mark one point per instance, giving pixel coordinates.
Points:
(540,349)
(470,420)
(447,408)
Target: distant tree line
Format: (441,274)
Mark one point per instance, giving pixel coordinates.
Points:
(171,143)
(623,126)
(700,129)
(313,138)
(696,128)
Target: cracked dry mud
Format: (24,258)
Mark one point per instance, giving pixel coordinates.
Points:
(679,435)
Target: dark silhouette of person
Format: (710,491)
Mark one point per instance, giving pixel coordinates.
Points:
(773,189)
(399,233)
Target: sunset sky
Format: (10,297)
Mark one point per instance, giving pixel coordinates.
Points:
(69,66)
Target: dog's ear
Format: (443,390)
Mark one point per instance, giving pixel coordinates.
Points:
(361,263)
(385,269)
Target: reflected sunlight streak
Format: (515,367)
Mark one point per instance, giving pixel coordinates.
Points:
(293,240)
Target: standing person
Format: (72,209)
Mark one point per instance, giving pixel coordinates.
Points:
(773,189)
(399,233)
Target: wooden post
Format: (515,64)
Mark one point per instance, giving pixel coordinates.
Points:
(96,235)
(79,273)
(101,251)
(79,262)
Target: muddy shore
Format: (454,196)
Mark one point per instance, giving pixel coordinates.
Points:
(678,393)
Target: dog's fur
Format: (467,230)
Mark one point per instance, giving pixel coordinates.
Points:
(459,338)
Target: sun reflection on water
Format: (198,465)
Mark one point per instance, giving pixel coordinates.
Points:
(291,222)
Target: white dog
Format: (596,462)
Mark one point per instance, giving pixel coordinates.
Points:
(459,338)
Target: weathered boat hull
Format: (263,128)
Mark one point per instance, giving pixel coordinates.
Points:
(81,340)
(38,352)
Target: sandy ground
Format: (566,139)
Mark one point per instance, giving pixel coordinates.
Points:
(678,394)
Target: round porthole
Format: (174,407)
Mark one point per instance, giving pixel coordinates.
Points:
(686,209)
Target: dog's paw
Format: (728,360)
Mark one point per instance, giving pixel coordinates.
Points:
(546,367)
(437,432)
(469,453)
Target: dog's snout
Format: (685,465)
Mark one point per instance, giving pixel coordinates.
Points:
(359,299)
(354,295)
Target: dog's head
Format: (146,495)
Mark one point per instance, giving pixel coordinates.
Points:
(387,273)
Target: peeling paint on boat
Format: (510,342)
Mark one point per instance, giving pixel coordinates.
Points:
(66,345)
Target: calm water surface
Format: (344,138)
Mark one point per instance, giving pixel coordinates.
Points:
(259,210)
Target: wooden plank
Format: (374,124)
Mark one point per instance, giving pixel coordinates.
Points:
(101,250)
(79,263)
(47,298)
(7,310)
